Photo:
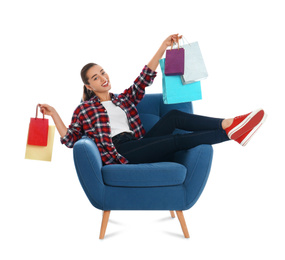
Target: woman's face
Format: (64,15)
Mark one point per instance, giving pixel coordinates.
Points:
(98,80)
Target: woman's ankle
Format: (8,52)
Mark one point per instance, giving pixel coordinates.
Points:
(227,123)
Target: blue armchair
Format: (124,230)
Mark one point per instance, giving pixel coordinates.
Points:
(174,186)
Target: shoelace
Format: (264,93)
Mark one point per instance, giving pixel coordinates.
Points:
(237,117)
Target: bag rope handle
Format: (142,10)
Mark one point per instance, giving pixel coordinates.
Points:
(183,38)
(37,112)
(172,41)
(172,44)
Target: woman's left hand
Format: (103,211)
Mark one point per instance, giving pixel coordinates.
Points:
(172,38)
(166,43)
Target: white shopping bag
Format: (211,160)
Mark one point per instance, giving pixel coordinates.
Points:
(194,68)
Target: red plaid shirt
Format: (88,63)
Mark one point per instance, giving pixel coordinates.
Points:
(90,118)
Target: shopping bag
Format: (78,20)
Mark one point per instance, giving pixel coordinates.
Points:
(174,61)
(175,92)
(43,153)
(38,131)
(195,69)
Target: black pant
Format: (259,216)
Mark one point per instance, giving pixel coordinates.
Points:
(160,142)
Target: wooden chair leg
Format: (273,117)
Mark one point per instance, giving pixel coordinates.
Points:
(180,216)
(104,224)
(172,213)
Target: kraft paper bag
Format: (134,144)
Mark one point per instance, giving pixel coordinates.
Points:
(42,153)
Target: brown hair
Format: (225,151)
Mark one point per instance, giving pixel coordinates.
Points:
(87,94)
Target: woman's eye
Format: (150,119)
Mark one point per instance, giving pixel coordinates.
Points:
(95,78)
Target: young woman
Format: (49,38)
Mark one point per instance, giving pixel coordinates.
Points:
(114,124)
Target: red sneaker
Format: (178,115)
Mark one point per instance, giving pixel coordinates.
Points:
(245,138)
(245,123)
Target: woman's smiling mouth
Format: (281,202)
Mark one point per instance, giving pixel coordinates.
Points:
(105,84)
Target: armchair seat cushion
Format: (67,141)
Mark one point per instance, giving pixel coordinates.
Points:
(144,175)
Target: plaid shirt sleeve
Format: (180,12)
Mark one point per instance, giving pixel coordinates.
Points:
(74,131)
(136,92)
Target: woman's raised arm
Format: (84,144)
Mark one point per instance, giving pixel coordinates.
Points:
(153,64)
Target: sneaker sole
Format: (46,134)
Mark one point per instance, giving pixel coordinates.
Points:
(247,124)
(253,131)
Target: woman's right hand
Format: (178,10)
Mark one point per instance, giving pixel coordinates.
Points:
(47,109)
(50,111)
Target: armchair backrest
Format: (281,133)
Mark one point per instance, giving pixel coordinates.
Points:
(152,108)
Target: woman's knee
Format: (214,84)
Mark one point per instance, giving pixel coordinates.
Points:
(174,113)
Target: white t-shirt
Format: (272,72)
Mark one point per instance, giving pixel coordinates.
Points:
(118,118)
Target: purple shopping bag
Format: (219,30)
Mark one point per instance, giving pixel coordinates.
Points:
(174,62)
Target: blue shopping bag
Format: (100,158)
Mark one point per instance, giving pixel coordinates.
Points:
(175,92)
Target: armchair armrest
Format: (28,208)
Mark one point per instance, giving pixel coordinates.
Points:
(198,162)
(88,165)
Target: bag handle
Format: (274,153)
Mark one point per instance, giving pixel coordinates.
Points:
(37,112)
(184,38)
(177,42)
(172,44)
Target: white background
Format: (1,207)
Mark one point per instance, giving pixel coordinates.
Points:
(44,44)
